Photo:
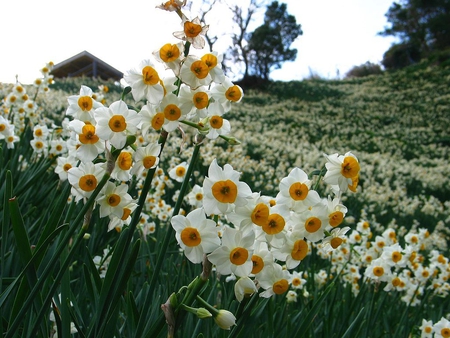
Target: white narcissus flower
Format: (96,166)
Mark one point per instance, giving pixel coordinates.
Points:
(295,191)
(235,253)
(274,280)
(222,190)
(195,72)
(145,83)
(146,158)
(342,171)
(195,234)
(193,32)
(63,166)
(113,199)
(175,110)
(244,287)
(226,93)
(115,123)
(178,172)
(82,106)
(171,55)
(90,144)
(85,178)
(442,328)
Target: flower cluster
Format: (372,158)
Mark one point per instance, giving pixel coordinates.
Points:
(263,233)
(18,106)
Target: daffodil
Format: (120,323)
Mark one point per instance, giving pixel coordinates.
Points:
(311,223)
(171,55)
(178,172)
(193,31)
(214,62)
(442,328)
(82,106)
(235,253)
(123,165)
(85,178)
(151,119)
(244,287)
(292,251)
(274,280)
(217,126)
(90,145)
(223,190)
(146,158)
(115,123)
(227,93)
(63,165)
(112,199)
(195,72)
(174,111)
(336,238)
(342,171)
(296,192)
(195,197)
(145,82)
(195,234)
(172,5)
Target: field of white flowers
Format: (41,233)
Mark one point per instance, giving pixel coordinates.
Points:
(74,267)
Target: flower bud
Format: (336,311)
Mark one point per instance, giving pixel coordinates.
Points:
(203,313)
(225,319)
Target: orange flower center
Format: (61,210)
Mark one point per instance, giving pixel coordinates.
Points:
(313,224)
(260,214)
(169,52)
(117,123)
(158,121)
(335,242)
(149,161)
(87,182)
(238,256)
(396,256)
(172,112)
(216,121)
(200,69)
(378,271)
(298,191)
(350,167)
(274,225)
(87,135)
(85,103)
(300,250)
(335,218)
(124,160)
(190,237)
(225,191)
(150,76)
(192,29)
(200,100)
(210,60)
(233,93)
(113,200)
(280,287)
(180,171)
(258,264)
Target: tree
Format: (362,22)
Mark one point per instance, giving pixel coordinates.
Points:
(242,17)
(422,26)
(269,45)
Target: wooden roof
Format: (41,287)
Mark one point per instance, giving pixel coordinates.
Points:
(88,65)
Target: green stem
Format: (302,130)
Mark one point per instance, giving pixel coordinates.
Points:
(169,233)
(163,249)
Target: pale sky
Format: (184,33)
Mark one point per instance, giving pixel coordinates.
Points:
(337,34)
